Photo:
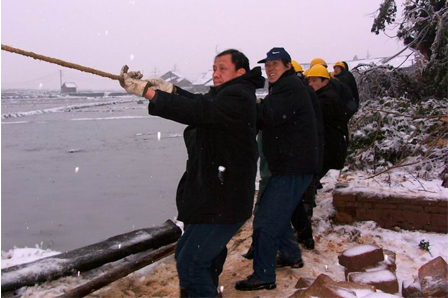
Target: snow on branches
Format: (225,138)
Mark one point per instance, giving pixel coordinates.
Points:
(389,133)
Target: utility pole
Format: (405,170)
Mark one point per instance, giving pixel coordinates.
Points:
(60,79)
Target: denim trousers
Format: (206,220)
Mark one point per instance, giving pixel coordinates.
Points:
(272,224)
(200,255)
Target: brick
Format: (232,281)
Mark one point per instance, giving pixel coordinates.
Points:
(385,206)
(417,217)
(361,256)
(325,290)
(437,229)
(389,223)
(365,205)
(365,214)
(338,203)
(411,289)
(389,263)
(383,280)
(342,217)
(433,277)
(304,282)
(443,204)
(435,209)
(351,204)
(410,226)
(383,214)
(439,219)
(324,286)
(416,208)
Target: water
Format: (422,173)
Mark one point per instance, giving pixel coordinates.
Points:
(73,178)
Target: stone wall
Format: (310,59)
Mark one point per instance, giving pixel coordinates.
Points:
(389,211)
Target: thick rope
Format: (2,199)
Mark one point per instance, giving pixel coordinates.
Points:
(60,62)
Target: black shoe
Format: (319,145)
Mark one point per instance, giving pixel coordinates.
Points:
(295,264)
(307,243)
(253,284)
(249,254)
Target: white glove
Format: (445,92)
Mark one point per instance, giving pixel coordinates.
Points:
(160,84)
(131,82)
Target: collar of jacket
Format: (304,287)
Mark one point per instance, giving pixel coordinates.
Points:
(253,76)
(285,74)
(331,85)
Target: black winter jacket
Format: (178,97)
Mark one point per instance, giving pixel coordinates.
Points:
(221,132)
(335,125)
(286,116)
(347,78)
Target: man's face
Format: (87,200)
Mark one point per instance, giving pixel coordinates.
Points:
(224,70)
(316,82)
(274,70)
(337,70)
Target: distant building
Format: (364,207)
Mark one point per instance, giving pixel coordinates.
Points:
(177,80)
(68,88)
(203,83)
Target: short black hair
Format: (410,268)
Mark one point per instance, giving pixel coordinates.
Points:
(239,59)
(285,62)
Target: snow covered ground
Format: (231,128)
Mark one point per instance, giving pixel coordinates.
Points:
(331,240)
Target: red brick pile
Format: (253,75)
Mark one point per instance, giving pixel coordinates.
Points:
(369,268)
(432,280)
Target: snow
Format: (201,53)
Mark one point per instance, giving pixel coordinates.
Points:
(359,250)
(331,241)
(394,184)
(372,276)
(62,109)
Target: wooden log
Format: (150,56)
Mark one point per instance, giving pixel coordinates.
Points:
(88,257)
(119,272)
(60,62)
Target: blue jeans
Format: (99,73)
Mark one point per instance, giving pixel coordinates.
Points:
(272,224)
(200,254)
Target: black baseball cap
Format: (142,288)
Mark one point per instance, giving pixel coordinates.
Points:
(276,54)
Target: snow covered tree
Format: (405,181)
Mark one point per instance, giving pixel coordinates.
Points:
(424,28)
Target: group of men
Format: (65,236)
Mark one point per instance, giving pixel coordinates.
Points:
(215,196)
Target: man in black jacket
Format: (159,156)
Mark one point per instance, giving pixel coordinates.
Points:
(215,195)
(343,75)
(290,145)
(337,105)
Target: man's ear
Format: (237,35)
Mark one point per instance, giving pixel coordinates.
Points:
(241,71)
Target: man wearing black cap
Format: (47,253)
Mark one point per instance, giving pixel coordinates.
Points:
(290,143)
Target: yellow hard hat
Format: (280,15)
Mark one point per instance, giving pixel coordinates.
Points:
(297,66)
(318,70)
(340,64)
(305,73)
(320,61)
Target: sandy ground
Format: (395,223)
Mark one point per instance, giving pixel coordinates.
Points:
(73,178)
(331,240)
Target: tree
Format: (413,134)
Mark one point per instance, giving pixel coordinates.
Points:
(424,28)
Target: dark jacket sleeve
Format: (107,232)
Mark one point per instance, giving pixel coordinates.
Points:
(197,109)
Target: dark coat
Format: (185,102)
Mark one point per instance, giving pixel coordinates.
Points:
(347,78)
(335,125)
(286,116)
(221,132)
(319,126)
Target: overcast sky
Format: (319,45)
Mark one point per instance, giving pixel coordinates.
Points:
(158,36)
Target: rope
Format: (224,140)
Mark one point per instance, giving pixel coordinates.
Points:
(60,62)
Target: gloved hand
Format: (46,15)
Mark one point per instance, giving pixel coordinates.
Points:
(161,84)
(131,82)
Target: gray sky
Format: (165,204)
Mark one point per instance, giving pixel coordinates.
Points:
(158,36)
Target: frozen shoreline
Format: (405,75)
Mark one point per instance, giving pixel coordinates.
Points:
(75,176)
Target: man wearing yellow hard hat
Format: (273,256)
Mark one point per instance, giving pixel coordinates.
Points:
(342,74)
